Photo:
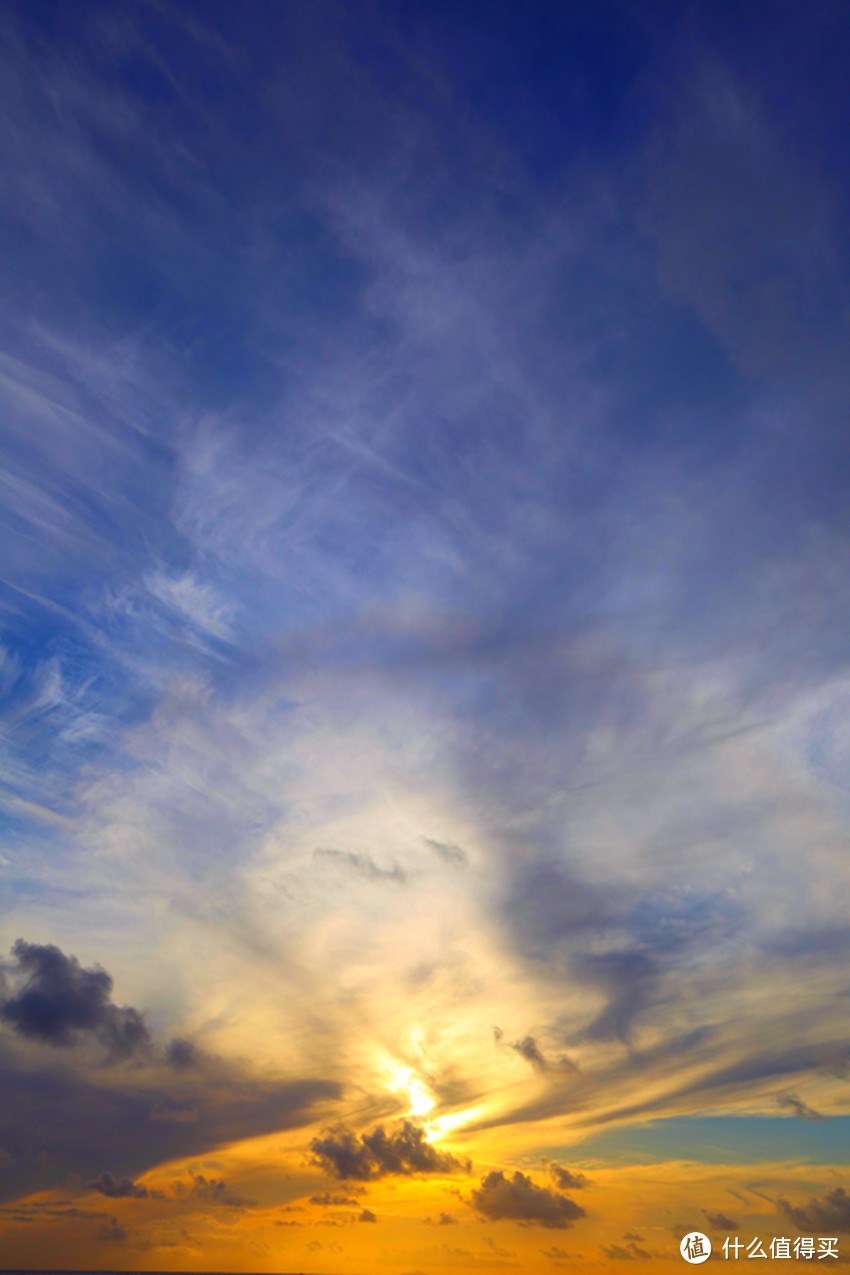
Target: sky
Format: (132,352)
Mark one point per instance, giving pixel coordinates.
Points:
(424,611)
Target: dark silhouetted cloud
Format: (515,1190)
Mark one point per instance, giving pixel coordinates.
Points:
(182,1054)
(720,1220)
(828,1214)
(111,1232)
(367,1216)
(213,1191)
(519,1199)
(403,1150)
(81,1122)
(632,1253)
(527,1048)
(118,1189)
(566,1179)
(800,1109)
(57,1001)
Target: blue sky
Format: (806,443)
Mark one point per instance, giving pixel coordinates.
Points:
(425,576)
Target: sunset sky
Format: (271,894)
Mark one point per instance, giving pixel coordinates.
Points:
(424,633)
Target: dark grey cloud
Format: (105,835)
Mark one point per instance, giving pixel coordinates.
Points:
(632,1253)
(628,978)
(664,931)
(77,1123)
(58,1002)
(547,907)
(566,1179)
(740,1075)
(826,1215)
(767,1064)
(528,1049)
(182,1053)
(329,1200)
(111,1232)
(800,1109)
(552,915)
(172,1111)
(367,1216)
(572,1090)
(72,1118)
(364,865)
(37,1213)
(520,1199)
(403,1150)
(212,1191)
(442,1219)
(118,1188)
(720,1220)
(448,852)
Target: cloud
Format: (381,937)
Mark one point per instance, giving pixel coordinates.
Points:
(721,1221)
(364,866)
(828,1214)
(628,978)
(194,601)
(470,547)
(528,1049)
(499,1252)
(367,1216)
(171,1112)
(58,1002)
(632,1253)
(403,1150)
(80,1119)
(111,1232)
(337,1201)
(182,1054)
(520,1199)
(117,1189)
(443,1219)
(800,1109)
(567,1179)
(212,1191)
(448,852)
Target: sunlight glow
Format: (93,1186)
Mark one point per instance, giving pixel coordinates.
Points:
(403,1079)
(438,1128)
